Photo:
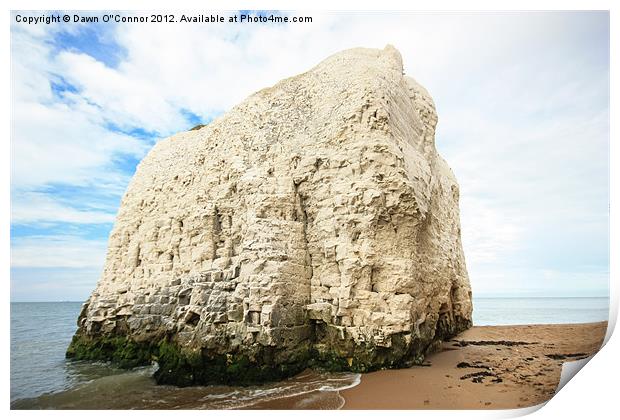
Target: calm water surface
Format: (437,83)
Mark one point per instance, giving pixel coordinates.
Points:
(518,311)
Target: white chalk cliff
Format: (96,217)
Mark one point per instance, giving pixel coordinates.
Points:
(312,224)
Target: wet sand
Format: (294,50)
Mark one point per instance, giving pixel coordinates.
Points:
(495,367)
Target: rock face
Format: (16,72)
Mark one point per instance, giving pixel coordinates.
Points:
(312,225)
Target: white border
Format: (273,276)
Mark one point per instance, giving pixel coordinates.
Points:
(591,394)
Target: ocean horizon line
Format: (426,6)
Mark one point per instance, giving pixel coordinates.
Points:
(475,297)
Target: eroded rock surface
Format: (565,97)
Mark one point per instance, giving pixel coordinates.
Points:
(313,224)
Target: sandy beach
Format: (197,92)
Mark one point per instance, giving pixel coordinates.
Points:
(495,367)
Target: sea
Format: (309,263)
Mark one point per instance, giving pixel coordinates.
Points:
(41,377)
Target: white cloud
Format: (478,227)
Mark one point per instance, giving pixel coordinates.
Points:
(57,251)
(129,102)
(39,208)
(52,284)
(57,144)
(487,233)
(55,141)
(498,280)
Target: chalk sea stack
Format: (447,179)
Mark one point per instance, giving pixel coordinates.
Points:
(313,225)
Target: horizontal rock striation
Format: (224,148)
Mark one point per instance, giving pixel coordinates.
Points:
(312,225)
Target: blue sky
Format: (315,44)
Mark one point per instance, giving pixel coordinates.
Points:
(523,102)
